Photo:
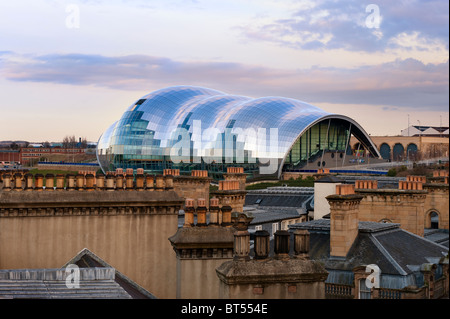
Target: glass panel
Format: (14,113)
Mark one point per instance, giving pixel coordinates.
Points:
(240,129)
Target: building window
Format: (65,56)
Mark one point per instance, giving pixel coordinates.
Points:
(364,291)
(434,220)
(258,227)
(274,228)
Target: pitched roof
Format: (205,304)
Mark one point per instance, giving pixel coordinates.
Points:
(86,259)
(272,214)
(398,253)
(95,283)
(329,179)
(274,200)
(439,236)
(295,197)
(98,280)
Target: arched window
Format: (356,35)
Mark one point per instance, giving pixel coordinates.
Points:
(385,151)
(434,220)
(411,152)
(398,152)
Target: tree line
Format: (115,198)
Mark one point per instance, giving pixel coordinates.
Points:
(69,141)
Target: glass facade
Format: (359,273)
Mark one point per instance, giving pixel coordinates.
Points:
(330,135)
(189,128)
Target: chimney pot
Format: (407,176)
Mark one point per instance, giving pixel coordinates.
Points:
(39,182)
(18,182)
(301,243)
(29,181)
(90,182)
(226,215)
(119,181)
(129,181)
(49,181)
(189,213)
(214,211)
(168,180)
(70,182)
(100,181)
(149,182)
(282,238)
(159,183)
(7,182)
(262,244)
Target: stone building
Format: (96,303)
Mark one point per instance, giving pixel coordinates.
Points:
(45,221)
(411,202)
(261,276)
(90,278)
(275,208)
(201,245)
(132,221)
(398,263)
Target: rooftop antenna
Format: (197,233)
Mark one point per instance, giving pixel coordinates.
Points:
(408,124)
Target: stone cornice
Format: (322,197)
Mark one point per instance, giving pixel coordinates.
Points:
(391,192)
(78,203)
(271,271)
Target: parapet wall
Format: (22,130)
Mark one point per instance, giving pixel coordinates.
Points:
(44,224)
(410,205)
(201,247)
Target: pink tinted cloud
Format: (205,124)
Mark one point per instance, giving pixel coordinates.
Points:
(404,83)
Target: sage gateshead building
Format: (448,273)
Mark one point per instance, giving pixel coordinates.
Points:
(192,128)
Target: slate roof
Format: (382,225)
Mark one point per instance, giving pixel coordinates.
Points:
(85,259)
(98,280)
(95,283)
(439,236)
(398,253)
(272,214)
(329,179)
(274,200)
(280,197)
(384,182)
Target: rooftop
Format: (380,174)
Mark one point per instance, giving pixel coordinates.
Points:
(98,280)
(398,253)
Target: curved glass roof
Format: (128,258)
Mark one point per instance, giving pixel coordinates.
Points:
(151,125)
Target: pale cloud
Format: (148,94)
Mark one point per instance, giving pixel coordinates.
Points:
(343,23)
(401,83)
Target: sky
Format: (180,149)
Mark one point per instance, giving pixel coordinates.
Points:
(73,67)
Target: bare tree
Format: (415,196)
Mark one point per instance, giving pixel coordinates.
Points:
(72,141)
(14,146)
(69,142)
(65,142)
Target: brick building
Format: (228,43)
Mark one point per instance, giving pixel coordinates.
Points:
(36,153)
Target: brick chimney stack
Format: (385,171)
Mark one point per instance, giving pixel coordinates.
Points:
(214,212)
(189,213)
(201,212)
(344,219)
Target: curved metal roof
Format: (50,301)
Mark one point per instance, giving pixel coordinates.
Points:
(164,111)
